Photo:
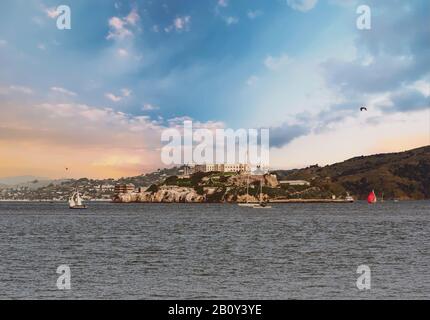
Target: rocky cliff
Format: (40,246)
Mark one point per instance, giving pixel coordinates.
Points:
(211,187)
(165,194)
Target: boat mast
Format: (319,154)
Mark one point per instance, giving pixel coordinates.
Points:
(247,176)
(261,185)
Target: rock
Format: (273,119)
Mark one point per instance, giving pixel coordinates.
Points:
(166,194)
(246,198)
(269,180)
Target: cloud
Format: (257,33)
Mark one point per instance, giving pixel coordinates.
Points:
(92,141)
(276,63)
(389,74)
(391,68)
(407,100)
(398,48)
(126,92)
(384,73)
(231,20)
(149,107)
(117,161)
(15,89)
(65,120)
(119,27)
(113,97)
(52,12)
(63,91)
(86,138)
(302,5)
(155,28)
(223,3)
(179,24)
(254,14)
(284,134)
(133,17)
(182,22)
(122,52)
(252,80)
(423,87)
(3,42)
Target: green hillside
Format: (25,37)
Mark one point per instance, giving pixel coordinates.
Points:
(402,175)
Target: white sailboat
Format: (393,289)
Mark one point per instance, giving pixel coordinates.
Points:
(247,203)
(75,201)
(261,204)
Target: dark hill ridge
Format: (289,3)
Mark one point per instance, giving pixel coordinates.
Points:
(401,175)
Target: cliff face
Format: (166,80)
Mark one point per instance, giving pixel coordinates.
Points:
(166,194)
(268,180)
(206,188)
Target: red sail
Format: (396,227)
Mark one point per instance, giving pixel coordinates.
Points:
(371,198)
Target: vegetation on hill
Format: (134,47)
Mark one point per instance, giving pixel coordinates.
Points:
(402,175)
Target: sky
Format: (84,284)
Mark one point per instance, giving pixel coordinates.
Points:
(97,97)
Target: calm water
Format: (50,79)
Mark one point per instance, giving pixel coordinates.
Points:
(144,251)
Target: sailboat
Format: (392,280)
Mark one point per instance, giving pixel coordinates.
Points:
(75,201)
(262,204)
(371,198)
(246,203)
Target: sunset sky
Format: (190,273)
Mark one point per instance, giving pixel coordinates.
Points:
(96,98)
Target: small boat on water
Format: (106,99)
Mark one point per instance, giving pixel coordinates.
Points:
(256,205)
(371,198)
(246,204)
(349,198)
(75,201)
(261,205)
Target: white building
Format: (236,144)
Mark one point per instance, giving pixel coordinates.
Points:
(235,167)
(295,182)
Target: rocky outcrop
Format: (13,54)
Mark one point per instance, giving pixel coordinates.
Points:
(268,180)
(165,194)
(234,190)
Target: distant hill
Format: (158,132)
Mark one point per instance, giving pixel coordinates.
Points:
(402,175)
(10,181)
(34,188)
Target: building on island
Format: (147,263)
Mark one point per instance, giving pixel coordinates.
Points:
(210,167)
(295,182)
(124,188)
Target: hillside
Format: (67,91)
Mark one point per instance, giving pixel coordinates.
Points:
(10,181)
(91,188)
(402,175)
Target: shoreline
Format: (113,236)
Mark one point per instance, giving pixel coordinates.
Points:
(275,201)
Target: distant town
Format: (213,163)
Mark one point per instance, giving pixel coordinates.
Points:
(401,176)
(92,189)
(171,179)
